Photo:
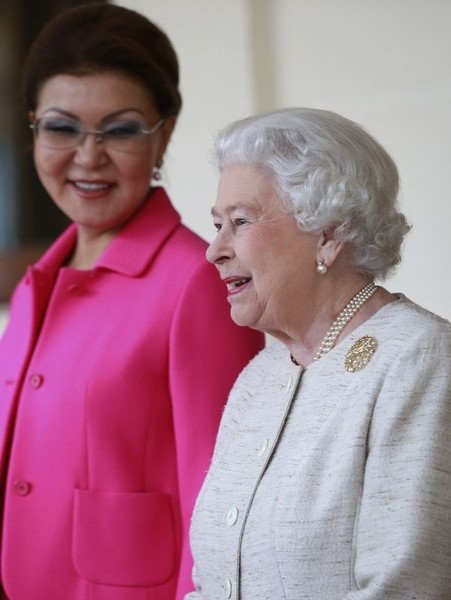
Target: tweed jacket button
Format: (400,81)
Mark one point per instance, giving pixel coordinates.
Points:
(228,588)
(232,516)
(263,447)
(22,488)
(36,380)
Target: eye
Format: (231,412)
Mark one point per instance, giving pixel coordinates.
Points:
(123,129)
(240,221)
(59,127)
(217,226)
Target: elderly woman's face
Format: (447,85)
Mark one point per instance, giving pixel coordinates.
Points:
(266,261)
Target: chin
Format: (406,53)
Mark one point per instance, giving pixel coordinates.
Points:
(244,320)
(239,319)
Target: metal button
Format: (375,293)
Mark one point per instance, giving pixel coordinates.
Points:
(36,380)
(22,488)
(228,588)
(263,447)
(232,516)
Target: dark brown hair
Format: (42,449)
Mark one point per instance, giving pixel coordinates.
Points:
(96,38)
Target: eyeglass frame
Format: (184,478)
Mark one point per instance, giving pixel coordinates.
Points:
(83,133)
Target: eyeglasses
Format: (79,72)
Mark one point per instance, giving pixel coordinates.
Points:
(62,133)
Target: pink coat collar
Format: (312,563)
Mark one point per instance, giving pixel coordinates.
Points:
(134,246)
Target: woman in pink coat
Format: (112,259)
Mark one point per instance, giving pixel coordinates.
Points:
(120,351)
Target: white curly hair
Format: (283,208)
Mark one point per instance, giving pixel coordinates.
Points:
(330,173)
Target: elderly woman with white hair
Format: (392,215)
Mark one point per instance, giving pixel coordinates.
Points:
(331,474)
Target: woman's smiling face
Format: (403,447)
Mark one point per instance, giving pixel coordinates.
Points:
(266,261)
(96,187)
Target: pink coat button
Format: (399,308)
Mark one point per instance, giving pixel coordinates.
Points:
(36,380)
(22,488)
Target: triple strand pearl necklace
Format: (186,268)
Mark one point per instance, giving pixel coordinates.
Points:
(343,319)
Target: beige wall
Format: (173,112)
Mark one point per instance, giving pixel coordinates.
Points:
(385,64)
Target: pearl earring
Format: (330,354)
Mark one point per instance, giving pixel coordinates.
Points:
(321,268)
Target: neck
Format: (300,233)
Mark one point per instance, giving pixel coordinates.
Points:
(88,250)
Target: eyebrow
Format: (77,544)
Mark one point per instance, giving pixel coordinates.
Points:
(105,118)
(231,208)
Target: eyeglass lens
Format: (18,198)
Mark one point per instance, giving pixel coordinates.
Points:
(60,133)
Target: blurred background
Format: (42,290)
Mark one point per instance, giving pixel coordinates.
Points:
(384,64)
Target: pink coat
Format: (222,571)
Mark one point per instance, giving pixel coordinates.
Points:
(113,383)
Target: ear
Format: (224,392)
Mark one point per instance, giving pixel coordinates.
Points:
(166,132)
(31,116)
(328,248)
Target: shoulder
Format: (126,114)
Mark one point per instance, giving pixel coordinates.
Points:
(185,238)
(414,368)
(412,362)
(181,260)
(185,246)
(159,220)
(405,329)
(417,316)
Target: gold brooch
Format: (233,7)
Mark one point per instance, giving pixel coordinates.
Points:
(360,353)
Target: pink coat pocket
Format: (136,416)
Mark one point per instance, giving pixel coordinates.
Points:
(123,538)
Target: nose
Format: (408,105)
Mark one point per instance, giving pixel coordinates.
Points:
(220,250)
(90,152)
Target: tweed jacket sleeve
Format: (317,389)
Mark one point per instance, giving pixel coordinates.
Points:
(402,541)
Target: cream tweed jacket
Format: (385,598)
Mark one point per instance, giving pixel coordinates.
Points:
(328,484)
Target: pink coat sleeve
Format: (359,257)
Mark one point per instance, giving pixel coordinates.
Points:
(207,352)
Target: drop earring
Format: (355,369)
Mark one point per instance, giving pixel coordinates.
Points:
(321,268)
(156,173)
